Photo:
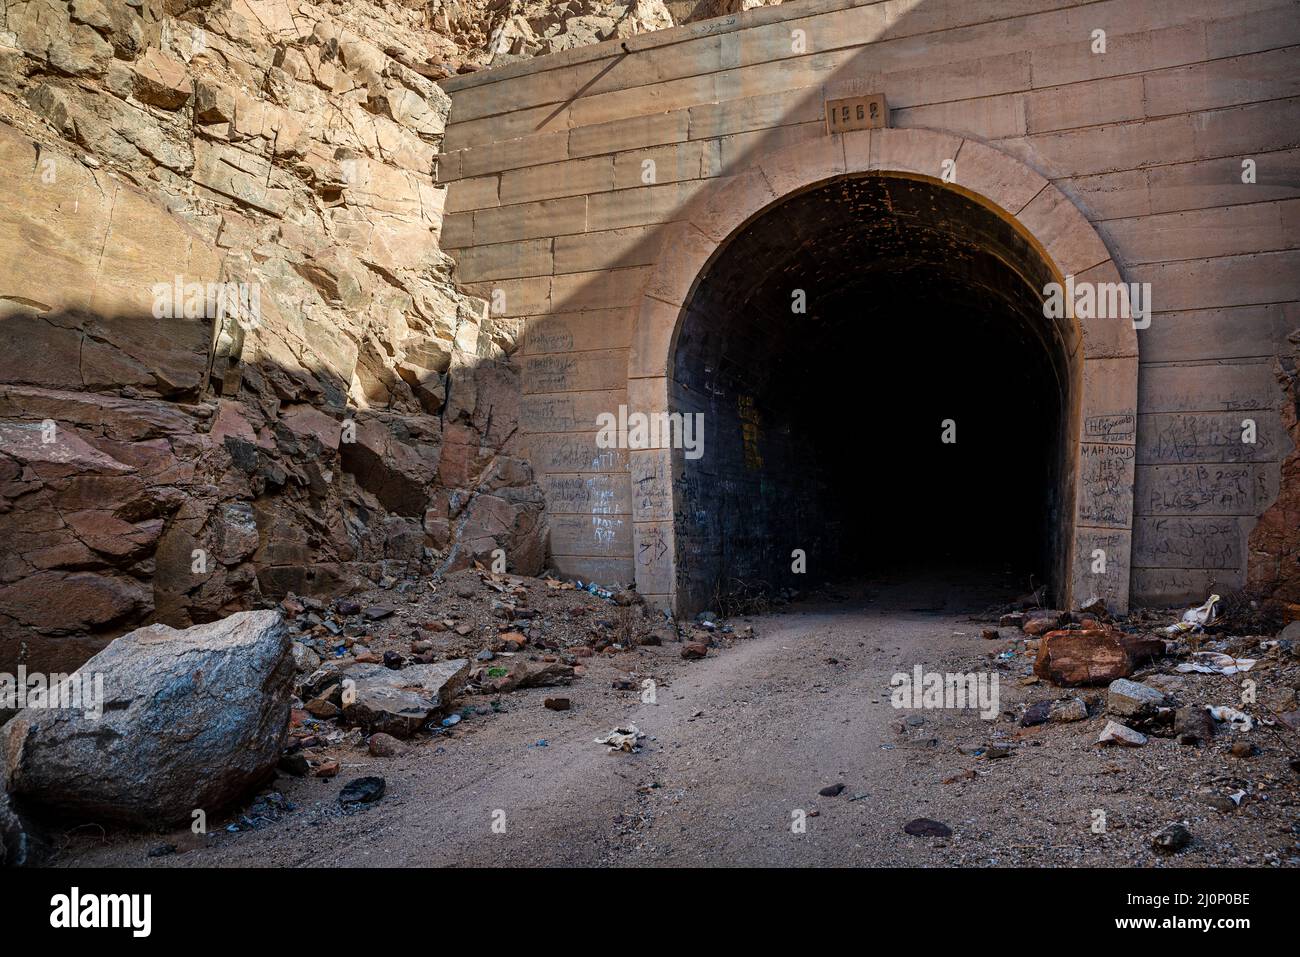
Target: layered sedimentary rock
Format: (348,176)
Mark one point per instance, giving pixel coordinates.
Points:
(233,360)
(522,29)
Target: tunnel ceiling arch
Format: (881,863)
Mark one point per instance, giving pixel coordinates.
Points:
(829,241)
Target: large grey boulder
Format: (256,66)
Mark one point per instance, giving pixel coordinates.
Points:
(191,720)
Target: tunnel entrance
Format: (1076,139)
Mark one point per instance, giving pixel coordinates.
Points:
(879,390)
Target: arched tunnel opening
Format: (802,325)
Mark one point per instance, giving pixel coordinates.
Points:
(880,391)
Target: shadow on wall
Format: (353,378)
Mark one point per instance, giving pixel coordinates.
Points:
(135,489)
(812,417)
(701,540)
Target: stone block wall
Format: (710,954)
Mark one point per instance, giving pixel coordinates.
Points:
(550,210)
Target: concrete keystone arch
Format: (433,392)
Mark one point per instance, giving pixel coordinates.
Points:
(1102,353)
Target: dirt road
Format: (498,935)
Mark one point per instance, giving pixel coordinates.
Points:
(738,746)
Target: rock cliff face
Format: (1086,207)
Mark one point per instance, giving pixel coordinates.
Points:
(493,32)
(233,360)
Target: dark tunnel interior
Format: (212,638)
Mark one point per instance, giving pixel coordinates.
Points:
(825,428)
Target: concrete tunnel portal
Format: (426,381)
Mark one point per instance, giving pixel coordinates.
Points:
(880,389)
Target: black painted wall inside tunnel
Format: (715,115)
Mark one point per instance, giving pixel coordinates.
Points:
(823,427)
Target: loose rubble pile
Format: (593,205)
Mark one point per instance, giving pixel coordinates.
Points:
(202,718)
(374,671)
(498,32)
(1194,680)
(403,672)
(1089,652)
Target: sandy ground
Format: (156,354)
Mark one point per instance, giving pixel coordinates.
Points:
(738,746)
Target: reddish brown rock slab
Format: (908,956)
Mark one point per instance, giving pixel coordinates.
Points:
(161,80)
(1039,626)
(1092,656)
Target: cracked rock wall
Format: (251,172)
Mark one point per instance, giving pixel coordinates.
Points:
(161,461)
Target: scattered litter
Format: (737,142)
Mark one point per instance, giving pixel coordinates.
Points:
(1213,663)
(623,739)
(1238,720)
(591,588)
(1196,619)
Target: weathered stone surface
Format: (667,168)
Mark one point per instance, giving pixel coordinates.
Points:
(1275,539)
(1091,655)
(1171,839)
(1142,649)
(213,102)
(1081,657)
(190,720)
(1129,699)
(1193,726)
(50,601)
(1036,714)
(529,28)
(160,80)
(1036,626)
(400,702)
(1068,710)
(1116,733)
(197,460)
(524,674)
(398,469)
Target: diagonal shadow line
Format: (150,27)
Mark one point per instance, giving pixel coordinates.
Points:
(854,66)
(582,89)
